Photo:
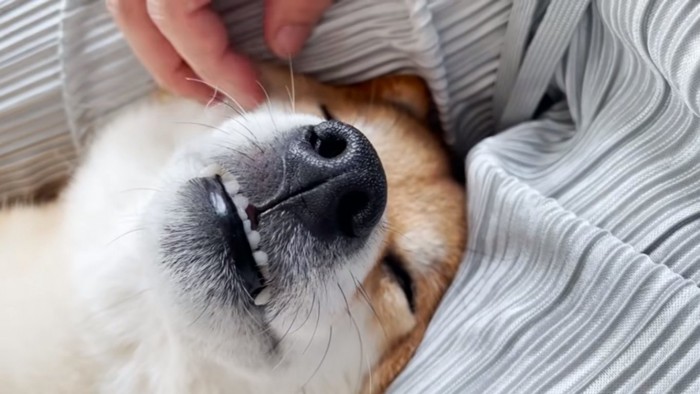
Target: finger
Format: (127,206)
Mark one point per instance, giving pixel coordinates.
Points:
(289,23)
(199,36)
(154,51)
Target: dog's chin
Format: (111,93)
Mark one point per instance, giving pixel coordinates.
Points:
(256,243)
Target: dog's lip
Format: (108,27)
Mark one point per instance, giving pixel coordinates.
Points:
(234,216)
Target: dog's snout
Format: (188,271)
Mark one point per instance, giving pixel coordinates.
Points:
(336,180)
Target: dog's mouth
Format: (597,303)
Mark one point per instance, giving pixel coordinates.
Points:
(315,198)
(238,221)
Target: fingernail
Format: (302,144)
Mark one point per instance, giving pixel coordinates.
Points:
(290,39)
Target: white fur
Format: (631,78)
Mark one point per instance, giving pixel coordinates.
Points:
(84,309)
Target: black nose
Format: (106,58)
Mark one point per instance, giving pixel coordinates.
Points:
(335,180)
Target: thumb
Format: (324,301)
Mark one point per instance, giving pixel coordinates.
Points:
(289,23)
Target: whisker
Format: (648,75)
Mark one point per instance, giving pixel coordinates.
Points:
(361,289)
(268,104)
(290,327)
(216,89)
(252,135)
(291,99)
(199,316)
(228,132)
(231,107)
(208,126)
(124,235)
(234,150)
(325,353)
(311,309)
(253,139)
(282,307)
(313,335)
(212,100)
(359,337)
(372,92)
(291,78)
(139,189)
(131,297)
(280,341)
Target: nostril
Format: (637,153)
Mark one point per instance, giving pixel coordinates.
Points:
(331,147)
(326,145)
(351,210)
(334,182)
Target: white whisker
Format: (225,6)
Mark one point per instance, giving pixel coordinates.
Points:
(268,104)
(135,230)
(313,335)
(325,353)
(361,290)
(359,338)
(292,95)
(240,110)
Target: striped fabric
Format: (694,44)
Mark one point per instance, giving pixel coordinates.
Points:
(35,144)
(582,268)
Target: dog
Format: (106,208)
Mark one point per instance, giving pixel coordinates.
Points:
(299,247)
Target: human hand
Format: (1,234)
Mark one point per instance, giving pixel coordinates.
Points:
(181,41)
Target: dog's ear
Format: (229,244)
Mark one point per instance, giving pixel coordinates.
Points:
(407,92)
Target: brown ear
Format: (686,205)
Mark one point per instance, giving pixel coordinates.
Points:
(407,92)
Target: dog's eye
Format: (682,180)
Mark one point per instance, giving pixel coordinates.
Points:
(326,114)
(398,272)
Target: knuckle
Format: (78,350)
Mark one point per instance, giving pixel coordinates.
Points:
(113,6)
(172,80)
(165,81)
(303,13)
(205,71)
(123,9)
(160,10)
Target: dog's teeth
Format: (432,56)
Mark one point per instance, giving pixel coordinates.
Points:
(247,226)
(210,171)
(242,214)
(241,204)
(231,186)
(253,238)
(240,201)
(265,271)
(260,258)
(264,297)
(227,177)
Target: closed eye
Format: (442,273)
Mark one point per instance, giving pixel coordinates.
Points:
(326,114)
(398,272)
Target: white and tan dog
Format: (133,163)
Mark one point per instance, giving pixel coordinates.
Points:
(301,247)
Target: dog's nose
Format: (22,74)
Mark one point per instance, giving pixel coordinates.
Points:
(335,180)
